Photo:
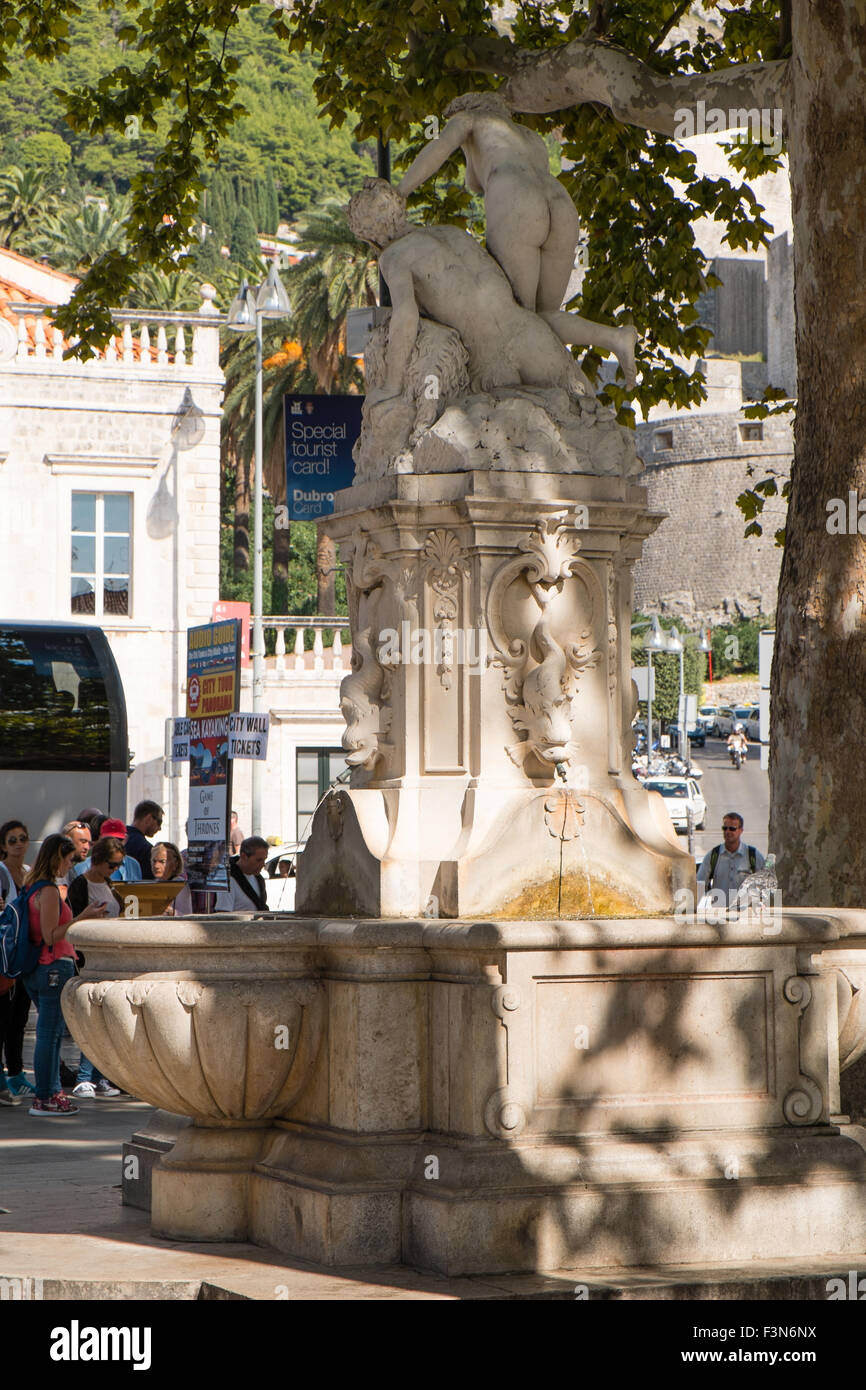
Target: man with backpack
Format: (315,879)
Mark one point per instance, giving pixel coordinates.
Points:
(726,865)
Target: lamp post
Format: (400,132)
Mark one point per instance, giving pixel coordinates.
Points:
(706,645)
(675,646)
(654,641)
(247,311)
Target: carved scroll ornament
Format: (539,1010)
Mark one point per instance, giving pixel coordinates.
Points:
(541,668)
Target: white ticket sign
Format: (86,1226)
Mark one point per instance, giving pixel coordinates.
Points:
(248,736)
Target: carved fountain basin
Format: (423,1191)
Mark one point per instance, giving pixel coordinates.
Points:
(218,1020)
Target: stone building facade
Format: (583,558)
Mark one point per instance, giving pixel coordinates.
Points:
(136,430)
(127,442)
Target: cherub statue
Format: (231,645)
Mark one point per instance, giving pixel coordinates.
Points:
(532,224)
(443,273)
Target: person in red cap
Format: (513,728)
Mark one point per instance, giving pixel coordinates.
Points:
(129,870)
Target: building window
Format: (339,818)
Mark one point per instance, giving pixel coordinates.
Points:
(750,433)
(663,439)
(316,769)
(101,553)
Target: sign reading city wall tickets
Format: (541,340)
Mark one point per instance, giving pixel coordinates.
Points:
(247,735)
(321,432)
(213,685)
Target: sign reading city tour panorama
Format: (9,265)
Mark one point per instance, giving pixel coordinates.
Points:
(213,681)
(321,432)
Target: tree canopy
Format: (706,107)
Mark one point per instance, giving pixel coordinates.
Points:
(613,79)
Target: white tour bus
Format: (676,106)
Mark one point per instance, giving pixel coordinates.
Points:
(63,736)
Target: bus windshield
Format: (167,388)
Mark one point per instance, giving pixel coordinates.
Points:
(57,711)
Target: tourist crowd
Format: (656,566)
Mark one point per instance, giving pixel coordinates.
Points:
(78,874)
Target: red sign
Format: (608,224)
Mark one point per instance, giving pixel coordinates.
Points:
(226,609)
(193,695)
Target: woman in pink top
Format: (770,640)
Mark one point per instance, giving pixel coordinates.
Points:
(50,919)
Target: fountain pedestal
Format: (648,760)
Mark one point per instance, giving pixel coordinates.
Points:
(476,1097)
(489,706)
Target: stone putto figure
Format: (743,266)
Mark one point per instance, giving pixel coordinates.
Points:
(532,224)
(458,338)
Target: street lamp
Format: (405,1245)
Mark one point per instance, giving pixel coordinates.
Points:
(706,645)
(247,311)
(655,641)
(675,646)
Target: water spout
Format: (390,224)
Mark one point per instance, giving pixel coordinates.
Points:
(562,771)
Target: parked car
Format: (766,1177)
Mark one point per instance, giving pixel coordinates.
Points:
(696,732)
(707,715)
(280,875)
(681,794)
(753,724)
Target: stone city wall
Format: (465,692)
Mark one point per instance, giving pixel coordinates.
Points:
(699,563)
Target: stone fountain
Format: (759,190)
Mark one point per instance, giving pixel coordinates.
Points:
(491,1038)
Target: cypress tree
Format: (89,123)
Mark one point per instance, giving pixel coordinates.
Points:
(273,206)
(244,242)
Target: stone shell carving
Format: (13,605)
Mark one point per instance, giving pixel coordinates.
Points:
(444,568)
(212,1051)
(541,667)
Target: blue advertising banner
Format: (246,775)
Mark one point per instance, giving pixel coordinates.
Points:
(321,432)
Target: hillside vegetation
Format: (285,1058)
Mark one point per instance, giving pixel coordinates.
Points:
(280,135)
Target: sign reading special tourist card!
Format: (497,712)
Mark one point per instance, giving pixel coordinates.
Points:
(321,432)
(213,658)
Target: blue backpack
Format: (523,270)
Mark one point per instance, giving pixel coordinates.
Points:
(18,954)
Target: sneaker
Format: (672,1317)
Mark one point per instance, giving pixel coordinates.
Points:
(85,1090)
(6,1097)
(20,1086)
(105,1090)
(55,1105)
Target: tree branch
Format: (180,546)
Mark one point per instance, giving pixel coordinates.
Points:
(587,70)
(672,22)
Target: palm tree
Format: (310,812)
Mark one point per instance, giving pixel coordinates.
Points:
(153,289)
(336,274)
(75,237)
(285,370)
(26,197)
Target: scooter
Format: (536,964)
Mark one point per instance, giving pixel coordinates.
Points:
(737,756)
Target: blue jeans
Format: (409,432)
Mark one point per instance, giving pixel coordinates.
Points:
(87,1071)
(49,1023)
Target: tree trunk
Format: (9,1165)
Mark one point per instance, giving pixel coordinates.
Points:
(818,802)
(326,560)
(242,516)
(280,560)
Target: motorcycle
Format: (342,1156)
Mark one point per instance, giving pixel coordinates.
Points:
(737,756)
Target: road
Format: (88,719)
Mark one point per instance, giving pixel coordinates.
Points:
(725,789)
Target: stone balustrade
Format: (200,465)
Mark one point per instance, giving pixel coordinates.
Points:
(291,638)
(149,341)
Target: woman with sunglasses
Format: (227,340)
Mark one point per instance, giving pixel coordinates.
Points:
(50,919)
(15,1003)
